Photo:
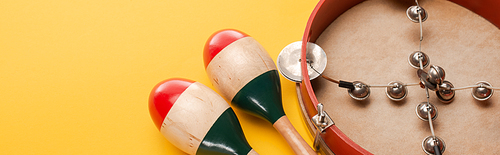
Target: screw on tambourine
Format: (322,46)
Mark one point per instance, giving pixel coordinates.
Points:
(431,143)
(360,92)
(396,91)
(416,57)
(413,13)
(482,93)
(321,121)
(289,61)
(425,107)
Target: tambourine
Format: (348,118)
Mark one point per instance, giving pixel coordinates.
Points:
(399,75)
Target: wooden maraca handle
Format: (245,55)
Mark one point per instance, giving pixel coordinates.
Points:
(292,137)
(252,152)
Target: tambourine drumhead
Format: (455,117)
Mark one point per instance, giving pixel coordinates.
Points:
(371,42)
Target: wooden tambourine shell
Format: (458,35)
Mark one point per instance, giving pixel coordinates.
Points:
(346,141)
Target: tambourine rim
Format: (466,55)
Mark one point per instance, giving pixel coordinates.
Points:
(333,138)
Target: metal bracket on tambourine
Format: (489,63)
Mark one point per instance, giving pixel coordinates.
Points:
(321,121)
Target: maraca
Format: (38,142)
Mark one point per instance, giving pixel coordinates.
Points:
(244,73)
(196,119)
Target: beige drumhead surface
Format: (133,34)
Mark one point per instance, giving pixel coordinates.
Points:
(371,43)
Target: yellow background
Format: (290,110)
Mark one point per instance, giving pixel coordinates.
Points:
(75,76)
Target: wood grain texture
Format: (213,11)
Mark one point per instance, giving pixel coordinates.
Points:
(371,42)
(292,137)
(228,71)
(192,116)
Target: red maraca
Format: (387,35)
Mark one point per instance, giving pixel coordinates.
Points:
(244,73)
(196,119)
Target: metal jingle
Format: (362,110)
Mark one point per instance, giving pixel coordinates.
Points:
(436,75)
(360,92)
(396,91)
(422,109)
(429,142)
(482,93)
(289,61)
(416,56)
(424,80)
(413,11)
(445,93)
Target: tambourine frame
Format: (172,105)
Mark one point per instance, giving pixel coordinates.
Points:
(333,140)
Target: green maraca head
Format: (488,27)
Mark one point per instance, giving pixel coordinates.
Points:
(244,73)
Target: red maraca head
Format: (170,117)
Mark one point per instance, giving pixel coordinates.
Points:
(163,97)
(219,41)
(196,119)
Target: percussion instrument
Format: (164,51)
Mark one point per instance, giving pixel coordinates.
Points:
(402,76)
(196,119)
(244,73)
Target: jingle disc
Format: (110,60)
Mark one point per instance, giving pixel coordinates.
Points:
(482,93)
(397,91)
(414,59)
(429,142)
(422,110)
(445,93)
(360,92)
(289,61)
(423,76)
(413,11)
(436,74)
